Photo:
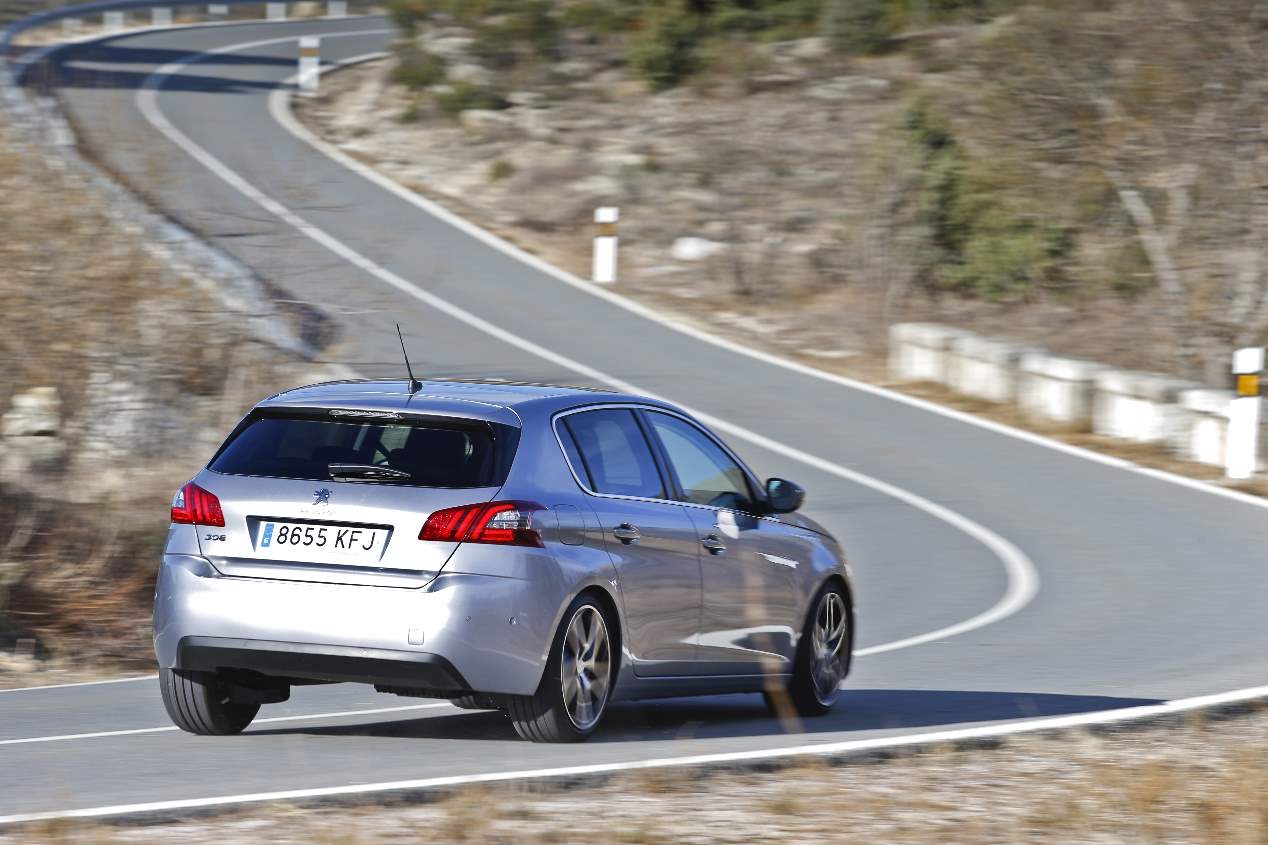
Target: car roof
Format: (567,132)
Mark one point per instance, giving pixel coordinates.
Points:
(495,401)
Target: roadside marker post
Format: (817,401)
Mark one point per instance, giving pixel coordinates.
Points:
(112,21)
(218,10)
(309,64)
(605,241)
(1241,451)
(161,16)
(337,9)
(275,11)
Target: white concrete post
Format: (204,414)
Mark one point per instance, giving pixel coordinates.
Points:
(218,10)
(1241,452)
(605,241)
(112,20)
(337,9)
(161,16)
(275,11)
(70,26)
(309,63)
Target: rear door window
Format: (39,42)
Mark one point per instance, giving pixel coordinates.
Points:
(615,455)
(432,455)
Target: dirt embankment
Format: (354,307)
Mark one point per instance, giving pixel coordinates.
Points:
(120,377)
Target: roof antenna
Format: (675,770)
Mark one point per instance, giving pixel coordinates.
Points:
(414,384)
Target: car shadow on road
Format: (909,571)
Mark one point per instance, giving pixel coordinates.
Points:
(857,711)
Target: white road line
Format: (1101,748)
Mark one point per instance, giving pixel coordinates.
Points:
(270,720)
(1023,578)
(83,684)
(827,749)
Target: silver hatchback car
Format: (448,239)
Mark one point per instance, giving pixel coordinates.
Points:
(538,550)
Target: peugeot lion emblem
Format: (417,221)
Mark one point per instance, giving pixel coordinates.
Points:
(321,496)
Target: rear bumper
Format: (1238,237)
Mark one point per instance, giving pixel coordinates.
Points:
(460,633)
(405,669)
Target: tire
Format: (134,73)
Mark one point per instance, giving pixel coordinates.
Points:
(198,702)
(573,694)
(823,654)
(475,701)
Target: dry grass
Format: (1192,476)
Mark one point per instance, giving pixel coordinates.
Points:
(150,371)
(1197,781)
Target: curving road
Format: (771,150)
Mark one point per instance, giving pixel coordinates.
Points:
(1001,577)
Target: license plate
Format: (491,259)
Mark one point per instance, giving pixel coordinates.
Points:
(290,539)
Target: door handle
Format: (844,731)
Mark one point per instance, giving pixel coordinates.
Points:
(714,544)
(626,533)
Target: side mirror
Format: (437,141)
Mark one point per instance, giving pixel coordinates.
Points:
(783,496)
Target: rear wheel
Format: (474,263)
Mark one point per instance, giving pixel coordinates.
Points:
(822,655)
(199,702)
(574,690)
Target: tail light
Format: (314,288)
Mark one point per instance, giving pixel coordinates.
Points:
(499,523)
(192,505)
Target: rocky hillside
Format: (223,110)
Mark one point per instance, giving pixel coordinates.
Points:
(1087,176)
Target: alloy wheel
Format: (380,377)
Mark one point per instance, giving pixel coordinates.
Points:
(830,637)
(586,667)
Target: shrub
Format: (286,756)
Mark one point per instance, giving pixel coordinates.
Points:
(501,169)
(857,27)
(600,17)
(412,114)
(406,15)
(418,69)
(535,24)
(464,96)
(529,31)
(773,19)
(668,49)
(988,235)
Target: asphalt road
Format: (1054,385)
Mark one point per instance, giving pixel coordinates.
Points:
(1147,590)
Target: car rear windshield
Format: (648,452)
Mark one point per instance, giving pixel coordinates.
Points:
(429,453)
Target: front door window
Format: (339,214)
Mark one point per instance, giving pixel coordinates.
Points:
(706,473)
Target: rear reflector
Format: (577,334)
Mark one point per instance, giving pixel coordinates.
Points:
(499,523)
(193,505)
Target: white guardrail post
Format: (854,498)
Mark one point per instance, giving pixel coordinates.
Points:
(309,64)
(161,16)
(112,21)
(1241,452)
(218,10)
(337,9)
(275,11)
(605,241)
(71,26)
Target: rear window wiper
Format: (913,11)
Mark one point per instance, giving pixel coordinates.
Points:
(368,472)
